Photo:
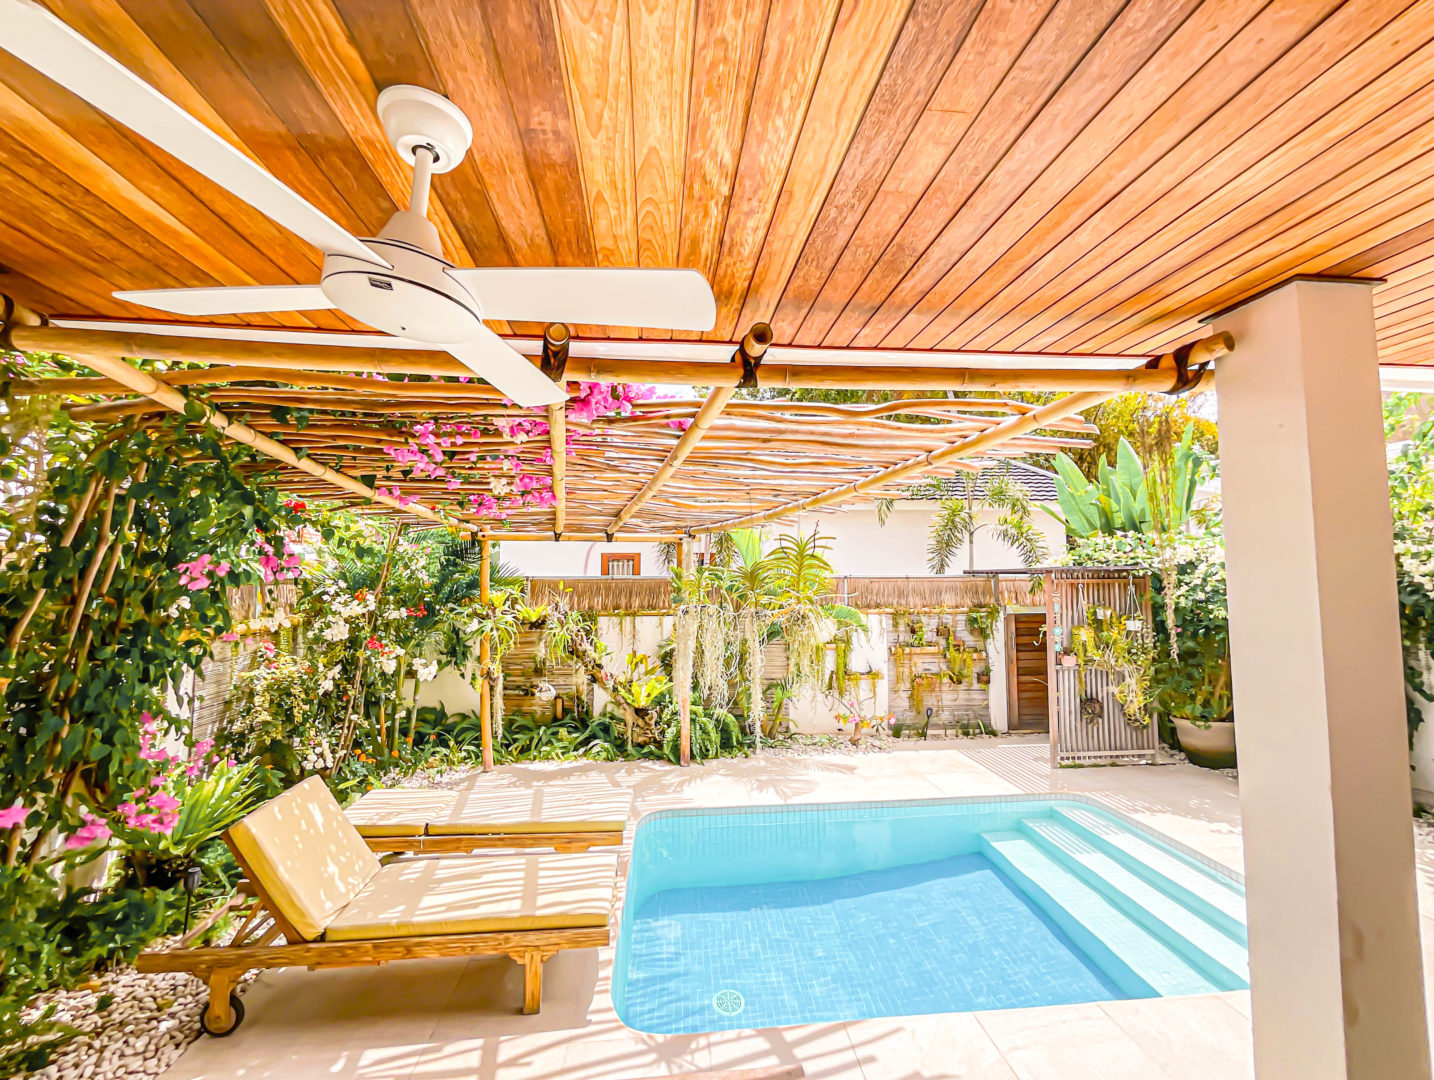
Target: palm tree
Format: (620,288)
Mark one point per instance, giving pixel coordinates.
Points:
(958,521)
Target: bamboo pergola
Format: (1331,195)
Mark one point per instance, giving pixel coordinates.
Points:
(668,468)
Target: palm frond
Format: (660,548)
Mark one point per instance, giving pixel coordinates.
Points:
(1018,532)
(953,526)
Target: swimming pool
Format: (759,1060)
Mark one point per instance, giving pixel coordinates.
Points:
(767,916)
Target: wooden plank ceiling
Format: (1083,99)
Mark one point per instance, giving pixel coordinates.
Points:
(1063,175)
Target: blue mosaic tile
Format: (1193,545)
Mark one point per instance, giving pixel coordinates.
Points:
(946,936)
(764,916)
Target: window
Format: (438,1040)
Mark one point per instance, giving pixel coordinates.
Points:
(622,564)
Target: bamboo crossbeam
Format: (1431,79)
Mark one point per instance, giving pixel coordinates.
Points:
(1199,352)
(754,345)
(717,399)
(271,355)
(587,537)
(1017,425)
(159,391)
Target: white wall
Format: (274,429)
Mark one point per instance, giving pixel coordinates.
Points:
(859,546)
(573,558)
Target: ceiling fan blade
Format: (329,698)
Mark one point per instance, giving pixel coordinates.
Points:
(492,358)
(670,299)
(51,47)
(233,300)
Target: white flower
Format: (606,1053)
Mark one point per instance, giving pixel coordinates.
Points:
(426,670)
(337,631)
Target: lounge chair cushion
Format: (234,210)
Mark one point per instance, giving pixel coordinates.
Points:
(559,806)
(467,895)
(305,855)
(399,811)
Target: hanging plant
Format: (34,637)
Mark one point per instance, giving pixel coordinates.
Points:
(1105,643)
(981,621)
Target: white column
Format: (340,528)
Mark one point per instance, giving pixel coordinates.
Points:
(1335,968)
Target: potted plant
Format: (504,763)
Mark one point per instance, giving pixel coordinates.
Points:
(1195,694)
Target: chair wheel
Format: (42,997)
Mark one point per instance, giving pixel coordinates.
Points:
(238,1008)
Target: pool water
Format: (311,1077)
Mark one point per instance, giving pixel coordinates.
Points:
(764,917)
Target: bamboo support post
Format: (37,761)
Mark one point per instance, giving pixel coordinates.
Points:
(354,710)
(485,648)
(141,382)
(558,445)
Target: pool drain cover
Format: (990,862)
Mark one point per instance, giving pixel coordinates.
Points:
(728,1002)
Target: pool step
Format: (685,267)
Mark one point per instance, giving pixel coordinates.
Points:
(1219,904)
(1138,962)
(1216,955)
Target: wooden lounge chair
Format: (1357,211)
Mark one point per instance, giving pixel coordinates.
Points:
(311,880)
(566,815)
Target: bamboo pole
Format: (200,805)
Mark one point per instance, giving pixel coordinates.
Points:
(896,473)
(354,709)
(592,537)
(485,649)
(278,355)
(157,390)
(754,345)
(558,446)
(1200,352)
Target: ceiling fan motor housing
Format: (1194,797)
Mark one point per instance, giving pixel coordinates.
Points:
(416,298)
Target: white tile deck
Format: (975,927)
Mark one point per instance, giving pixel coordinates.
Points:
(458,1020)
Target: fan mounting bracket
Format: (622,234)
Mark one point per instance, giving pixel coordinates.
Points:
(414,117)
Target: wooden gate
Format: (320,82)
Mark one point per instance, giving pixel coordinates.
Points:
(1028,706)
(1103,734)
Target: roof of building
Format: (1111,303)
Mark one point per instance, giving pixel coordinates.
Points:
(1040,485)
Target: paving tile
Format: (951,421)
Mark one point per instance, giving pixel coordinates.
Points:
(1166,1029)
(1068,1042)
(825,1051)
(949,1047)
(460,1020)
(1239,1000)
(635,1055)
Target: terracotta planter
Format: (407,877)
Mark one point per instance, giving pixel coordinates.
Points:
(1210,747)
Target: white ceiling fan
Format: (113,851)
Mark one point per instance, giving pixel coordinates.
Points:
(398,281)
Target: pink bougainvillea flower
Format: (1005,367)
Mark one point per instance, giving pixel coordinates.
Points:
(14,815)
(231,636)
(93,830)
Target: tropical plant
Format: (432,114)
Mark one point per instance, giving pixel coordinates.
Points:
(958,522)
(212,795)
(1196,687)
(116,542)
(1120,500)
(1106,641)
